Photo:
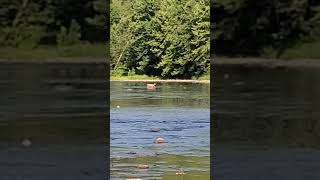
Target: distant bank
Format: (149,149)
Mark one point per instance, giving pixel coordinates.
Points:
(165,81)
(214,61)
(252,61)
(76,60)
(268,63)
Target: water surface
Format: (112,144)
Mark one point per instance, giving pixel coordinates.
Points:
(266,123)
(179,112)
(61,109)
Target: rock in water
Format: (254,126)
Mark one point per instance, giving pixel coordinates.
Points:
(159,141)
(180,172)
(155,130)
(131,152)
(26,143)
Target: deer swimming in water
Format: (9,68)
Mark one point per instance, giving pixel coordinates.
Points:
(151,85)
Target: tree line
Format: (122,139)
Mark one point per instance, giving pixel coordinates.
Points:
(249,27)
(52,22)
(167,38)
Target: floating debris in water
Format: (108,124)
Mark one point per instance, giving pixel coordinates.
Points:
(118,106)
(63,88)
(159,141)
(226,76)
(239,83)
(131,152)
(155,130)
(26,143)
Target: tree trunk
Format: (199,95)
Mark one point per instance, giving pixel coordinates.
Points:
(125,47)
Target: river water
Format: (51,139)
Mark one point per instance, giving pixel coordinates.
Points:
(179,112)
(266,123)
(61,110)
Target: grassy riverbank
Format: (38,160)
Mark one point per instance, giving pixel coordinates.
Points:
(305,55)
(267,62)
(204,78)
(51,52)
(308,50)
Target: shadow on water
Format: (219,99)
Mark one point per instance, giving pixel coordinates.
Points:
(265,123)
(177,112)
(60,109)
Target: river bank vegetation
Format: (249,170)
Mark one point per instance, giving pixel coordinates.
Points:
(163,39)
(53,28)
(167,39)
(272,29)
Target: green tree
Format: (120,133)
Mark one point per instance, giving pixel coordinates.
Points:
(248,26)
(166,38)
(24,22)
(70,36)
(100,21)
(120,33)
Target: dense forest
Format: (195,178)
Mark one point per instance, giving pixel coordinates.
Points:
(168,38)
(52,22)
(254,28)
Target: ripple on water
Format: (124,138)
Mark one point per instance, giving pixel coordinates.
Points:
(179,115)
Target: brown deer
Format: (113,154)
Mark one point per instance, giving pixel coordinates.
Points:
(151,85)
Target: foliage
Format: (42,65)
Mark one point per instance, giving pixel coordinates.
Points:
(100,22)
(249,26)
(23,23)
(39,22)
(70,37)
(83,50)
(169,38)
(308,50)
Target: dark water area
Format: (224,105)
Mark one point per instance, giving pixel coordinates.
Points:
(61,110)
(265,123)
(177,112)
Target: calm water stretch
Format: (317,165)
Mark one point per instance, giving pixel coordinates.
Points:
(60,108)
(179,112)
(266,123)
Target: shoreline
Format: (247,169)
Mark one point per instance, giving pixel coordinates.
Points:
(62,60)
(165,81)
(268,63)
(214,60)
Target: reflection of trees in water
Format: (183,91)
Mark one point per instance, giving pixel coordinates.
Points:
(166,95)
(300,132)
(32,108)
(59,130)
(274,107)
